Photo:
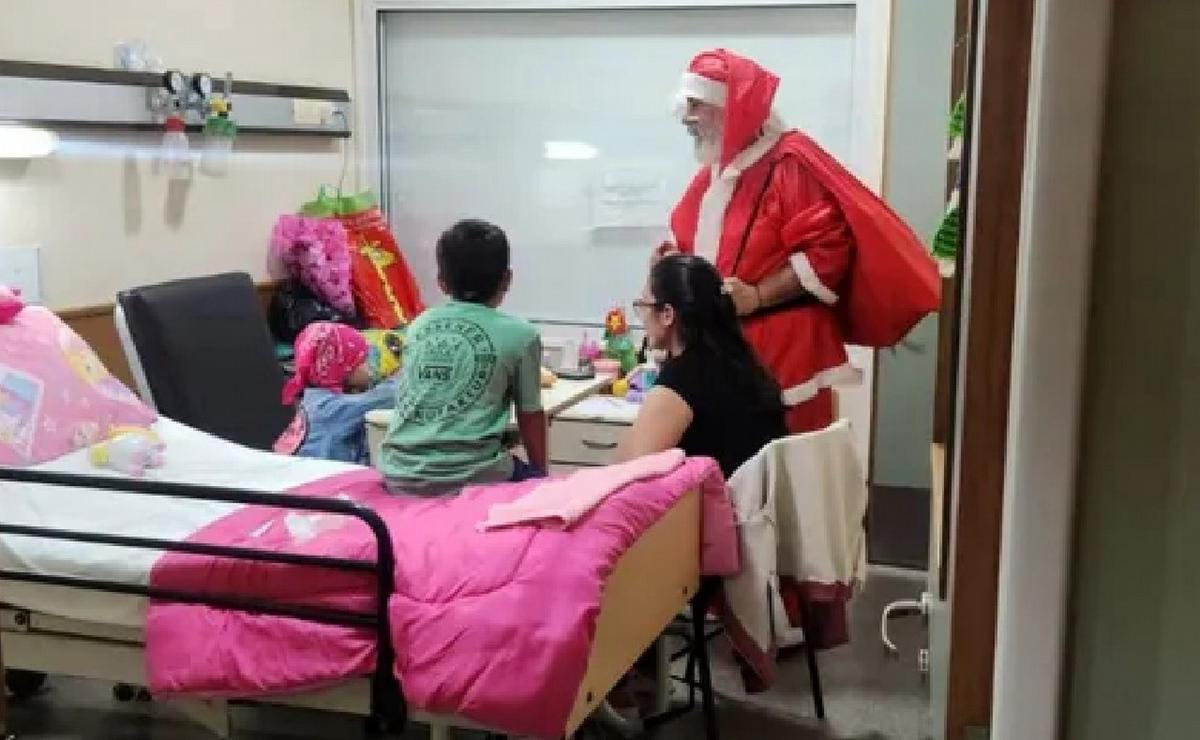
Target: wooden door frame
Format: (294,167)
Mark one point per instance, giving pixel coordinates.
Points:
(1040,86)
(1062,161)
(994,155)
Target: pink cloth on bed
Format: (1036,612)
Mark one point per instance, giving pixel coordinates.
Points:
(495,627)
(563,501)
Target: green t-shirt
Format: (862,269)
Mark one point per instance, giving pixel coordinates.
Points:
(465,366)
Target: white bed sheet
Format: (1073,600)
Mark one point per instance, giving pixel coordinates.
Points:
(191,457)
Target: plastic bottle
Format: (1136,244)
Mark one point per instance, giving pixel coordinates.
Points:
(176,152)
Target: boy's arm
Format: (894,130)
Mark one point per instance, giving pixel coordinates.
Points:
(534,434)
(527,395)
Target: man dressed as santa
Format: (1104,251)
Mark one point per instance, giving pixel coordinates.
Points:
(812,258)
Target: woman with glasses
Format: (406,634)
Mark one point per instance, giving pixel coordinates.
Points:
(712,398)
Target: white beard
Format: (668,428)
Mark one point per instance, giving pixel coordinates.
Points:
(708,150)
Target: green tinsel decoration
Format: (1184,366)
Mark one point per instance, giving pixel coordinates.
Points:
(945,241)
(958,117)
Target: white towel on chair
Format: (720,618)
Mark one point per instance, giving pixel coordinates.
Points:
(800,504)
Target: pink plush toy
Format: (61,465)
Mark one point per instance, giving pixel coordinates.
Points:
(10,304)
(315,251)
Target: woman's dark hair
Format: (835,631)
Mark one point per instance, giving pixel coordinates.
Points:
(708,324)
(472,260)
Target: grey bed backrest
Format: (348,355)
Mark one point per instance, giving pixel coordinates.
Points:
(206,356)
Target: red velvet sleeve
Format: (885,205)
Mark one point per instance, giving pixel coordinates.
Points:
(812,229)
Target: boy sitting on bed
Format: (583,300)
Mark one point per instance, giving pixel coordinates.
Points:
(465,366)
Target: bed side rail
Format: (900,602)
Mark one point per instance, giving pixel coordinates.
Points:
(388,707)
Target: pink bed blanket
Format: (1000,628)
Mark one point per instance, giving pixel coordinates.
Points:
(495,627)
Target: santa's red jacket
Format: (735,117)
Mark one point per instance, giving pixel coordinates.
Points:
(777,198)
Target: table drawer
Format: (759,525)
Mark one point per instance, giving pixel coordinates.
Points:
(584,442)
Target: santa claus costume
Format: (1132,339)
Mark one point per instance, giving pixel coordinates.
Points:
(775,198)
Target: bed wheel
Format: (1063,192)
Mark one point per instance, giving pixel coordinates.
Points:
(124,692)
(375,727)
(595,729)
(24,684)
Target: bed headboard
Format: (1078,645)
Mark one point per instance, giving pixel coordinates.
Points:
(95,325)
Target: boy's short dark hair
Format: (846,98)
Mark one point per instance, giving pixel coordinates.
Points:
(472,258)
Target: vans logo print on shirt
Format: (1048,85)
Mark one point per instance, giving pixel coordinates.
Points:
(448,366)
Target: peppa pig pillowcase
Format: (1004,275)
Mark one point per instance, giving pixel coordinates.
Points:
(55,394)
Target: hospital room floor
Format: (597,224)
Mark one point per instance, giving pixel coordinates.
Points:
(868,696)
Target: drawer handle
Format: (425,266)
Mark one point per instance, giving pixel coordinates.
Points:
(599,445)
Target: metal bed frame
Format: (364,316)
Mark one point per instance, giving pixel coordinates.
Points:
(387,710)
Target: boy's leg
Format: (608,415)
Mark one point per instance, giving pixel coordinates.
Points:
(523,471)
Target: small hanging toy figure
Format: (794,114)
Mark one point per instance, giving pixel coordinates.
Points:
(617,343)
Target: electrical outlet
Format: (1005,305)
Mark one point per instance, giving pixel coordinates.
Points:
(20,268)
(312,112)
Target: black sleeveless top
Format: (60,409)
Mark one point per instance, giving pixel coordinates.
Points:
(729,422)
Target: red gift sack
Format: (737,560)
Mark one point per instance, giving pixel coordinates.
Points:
(384,289)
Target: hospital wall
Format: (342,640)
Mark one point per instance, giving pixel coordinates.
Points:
(1134,646)
(915,185)
(102,215)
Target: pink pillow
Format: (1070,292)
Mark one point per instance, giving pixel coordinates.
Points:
(55,395)
(10,304)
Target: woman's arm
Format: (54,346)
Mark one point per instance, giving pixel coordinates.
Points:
(660,425)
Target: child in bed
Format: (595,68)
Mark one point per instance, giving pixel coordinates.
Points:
(466,364)
(338,380)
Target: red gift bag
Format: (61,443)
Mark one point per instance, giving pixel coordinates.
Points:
(384,290)
(385,293)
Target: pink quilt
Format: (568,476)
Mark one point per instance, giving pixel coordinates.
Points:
(495,627)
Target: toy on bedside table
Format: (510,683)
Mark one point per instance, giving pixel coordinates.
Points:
(589,350)
(129,450)
(618,345)
(639,382)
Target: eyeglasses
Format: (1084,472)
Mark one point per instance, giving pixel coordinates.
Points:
(640,305)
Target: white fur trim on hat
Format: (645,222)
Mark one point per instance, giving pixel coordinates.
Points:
(703,89)
(809,279)
(713,205)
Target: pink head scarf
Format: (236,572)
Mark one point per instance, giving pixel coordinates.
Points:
(326,354)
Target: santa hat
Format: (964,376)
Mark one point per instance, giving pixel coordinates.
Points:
(740,86)
(745,91)
(326,355)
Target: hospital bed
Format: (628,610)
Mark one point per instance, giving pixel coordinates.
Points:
(76,552)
